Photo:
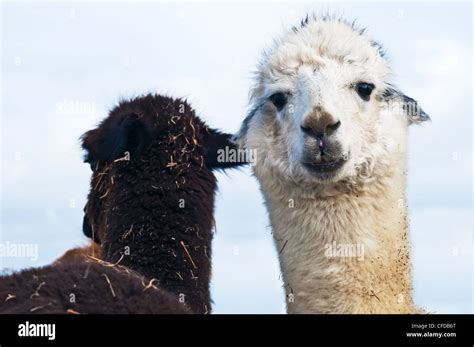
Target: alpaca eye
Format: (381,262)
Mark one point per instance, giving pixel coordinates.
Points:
(279,100)
(364,90)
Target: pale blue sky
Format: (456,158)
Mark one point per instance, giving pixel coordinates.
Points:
(65,64)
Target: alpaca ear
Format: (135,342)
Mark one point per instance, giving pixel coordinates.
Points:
(405,105)
(221,152)
(115,137)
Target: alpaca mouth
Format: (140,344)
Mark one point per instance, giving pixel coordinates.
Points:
(325,164)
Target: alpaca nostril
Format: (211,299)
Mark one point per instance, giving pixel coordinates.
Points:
(306,130)
(332,127)
(327,131)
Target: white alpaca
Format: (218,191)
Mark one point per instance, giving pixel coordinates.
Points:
(330,133)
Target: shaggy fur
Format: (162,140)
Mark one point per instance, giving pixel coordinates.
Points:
(160,203)
(150,207)
(331,165)
(80,253)
(85,287)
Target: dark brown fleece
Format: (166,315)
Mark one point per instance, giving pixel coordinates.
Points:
(85,287)
(150,207)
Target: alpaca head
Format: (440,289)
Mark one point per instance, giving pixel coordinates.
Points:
(323,109)
(151,202)
(148,153)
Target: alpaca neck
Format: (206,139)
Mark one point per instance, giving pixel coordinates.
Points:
(171,252)
(344,253)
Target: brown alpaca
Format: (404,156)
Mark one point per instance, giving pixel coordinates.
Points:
(150,207)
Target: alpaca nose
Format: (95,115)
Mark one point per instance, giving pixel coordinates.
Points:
(320,123)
